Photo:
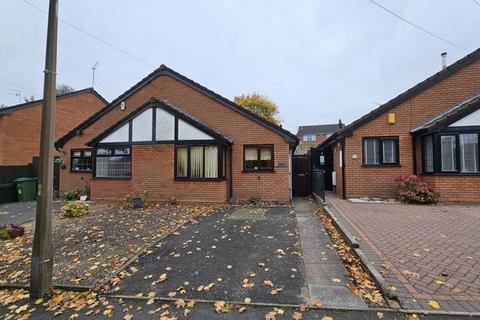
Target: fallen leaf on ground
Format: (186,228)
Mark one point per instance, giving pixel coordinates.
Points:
(434,304)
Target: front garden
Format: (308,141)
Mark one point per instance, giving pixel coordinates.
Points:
(95,241)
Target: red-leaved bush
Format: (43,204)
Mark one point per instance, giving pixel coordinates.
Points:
(412,189)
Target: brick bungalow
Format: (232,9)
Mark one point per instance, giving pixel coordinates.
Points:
(20,124)
(174,138)
(431,130)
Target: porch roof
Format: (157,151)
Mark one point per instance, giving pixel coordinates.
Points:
(450,116)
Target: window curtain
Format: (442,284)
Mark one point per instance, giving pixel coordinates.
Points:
(469,152)
(389,151)
(448,152)
(251,154)
(196,162)
(182,162)
(211,162)
(113,166)
(428,153)
(266,158)
(371,151)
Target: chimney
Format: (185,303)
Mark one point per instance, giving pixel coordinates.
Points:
(340,124)
(444,60)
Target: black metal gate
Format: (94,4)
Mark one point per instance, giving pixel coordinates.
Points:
(301,175)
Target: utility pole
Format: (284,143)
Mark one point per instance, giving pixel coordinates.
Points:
(42,253)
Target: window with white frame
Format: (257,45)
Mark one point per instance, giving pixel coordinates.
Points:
(309,137)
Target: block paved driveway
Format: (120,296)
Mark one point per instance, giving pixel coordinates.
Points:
(426,252)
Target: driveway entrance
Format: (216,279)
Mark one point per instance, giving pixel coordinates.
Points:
(428,253)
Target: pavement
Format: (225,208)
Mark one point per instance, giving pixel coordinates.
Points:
(326,275)
(430,254)
(139,309)
(20,212)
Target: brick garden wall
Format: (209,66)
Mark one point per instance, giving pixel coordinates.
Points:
(267,186)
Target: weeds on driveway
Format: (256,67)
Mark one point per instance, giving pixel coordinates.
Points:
(91,248)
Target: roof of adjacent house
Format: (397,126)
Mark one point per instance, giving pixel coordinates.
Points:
(448,117)
(164,70)
(11,109)
(404,96)
(169,107)
(321,128)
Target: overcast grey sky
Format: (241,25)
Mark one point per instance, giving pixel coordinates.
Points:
(318,60)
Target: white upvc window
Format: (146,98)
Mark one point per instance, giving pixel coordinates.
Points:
(309,137)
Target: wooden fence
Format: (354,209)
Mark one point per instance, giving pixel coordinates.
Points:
(8,190)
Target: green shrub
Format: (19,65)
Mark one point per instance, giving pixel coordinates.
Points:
(72,195)
(4,235)
(11,232)
(74,209)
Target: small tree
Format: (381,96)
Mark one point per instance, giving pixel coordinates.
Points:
(259,105)
(64,89)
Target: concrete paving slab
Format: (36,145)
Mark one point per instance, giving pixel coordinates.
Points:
(326,275)
(336,296)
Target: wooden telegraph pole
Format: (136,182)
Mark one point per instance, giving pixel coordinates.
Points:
(42,254)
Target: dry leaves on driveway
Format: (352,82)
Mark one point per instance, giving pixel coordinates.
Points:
(90,248)
(362,284)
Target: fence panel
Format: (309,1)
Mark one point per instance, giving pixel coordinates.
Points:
(8,193)
(10,173)
(318,183)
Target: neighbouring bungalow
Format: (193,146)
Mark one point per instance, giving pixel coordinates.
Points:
(20,124)
(173,138)
(431,130)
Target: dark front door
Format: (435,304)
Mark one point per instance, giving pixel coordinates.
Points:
(301,176)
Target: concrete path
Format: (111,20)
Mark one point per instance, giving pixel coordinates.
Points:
(20,212)
(326,276)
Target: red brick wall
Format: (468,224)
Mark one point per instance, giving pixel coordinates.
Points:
(20,131)
(378,181)
(267,186)
(320,138)
(455,188)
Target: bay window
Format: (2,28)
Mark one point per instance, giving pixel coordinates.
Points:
(468,152)
(198,162)
(448,154)
(451,152)
(113,162)
(428,154)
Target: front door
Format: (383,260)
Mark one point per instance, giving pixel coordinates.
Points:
(301,176)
